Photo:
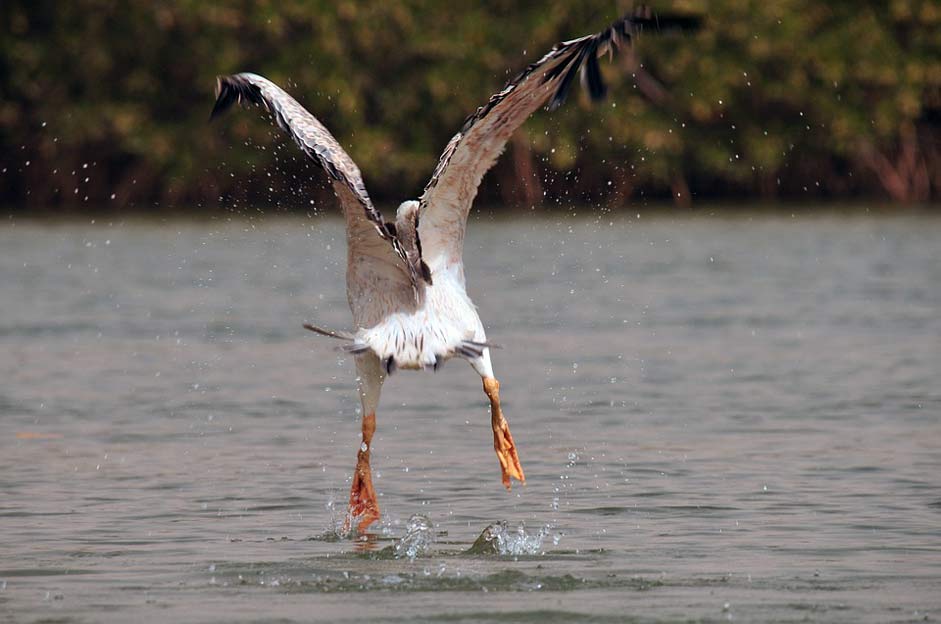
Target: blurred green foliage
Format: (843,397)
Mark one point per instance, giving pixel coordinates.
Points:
(792,98)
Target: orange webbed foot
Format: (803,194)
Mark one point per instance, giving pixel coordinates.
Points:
(502,438)
(364,506)
(506,453)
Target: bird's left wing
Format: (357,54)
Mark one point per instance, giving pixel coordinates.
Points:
(449,194)
(368,233)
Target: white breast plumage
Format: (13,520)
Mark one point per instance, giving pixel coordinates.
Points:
(445,325)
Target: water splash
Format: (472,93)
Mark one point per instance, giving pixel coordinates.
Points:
(341,521)
(497,539)
(418,539)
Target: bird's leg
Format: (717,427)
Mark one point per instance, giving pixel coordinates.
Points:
(502,439)
(363,504)
(364,508)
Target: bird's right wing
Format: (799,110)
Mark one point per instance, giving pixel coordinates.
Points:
(369,236)
(473,151)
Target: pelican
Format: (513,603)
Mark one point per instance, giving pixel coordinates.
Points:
(405,278)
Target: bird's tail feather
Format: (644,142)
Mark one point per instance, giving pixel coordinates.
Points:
(330,333)
(355,347)
(472,349)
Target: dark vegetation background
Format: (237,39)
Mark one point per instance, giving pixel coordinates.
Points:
(106,103)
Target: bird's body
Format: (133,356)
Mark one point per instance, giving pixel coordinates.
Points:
(405,327)
(446,324)
(405,278)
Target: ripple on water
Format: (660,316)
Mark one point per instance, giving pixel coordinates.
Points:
(694,390)
(441,576)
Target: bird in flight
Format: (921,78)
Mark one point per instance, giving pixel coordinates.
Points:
(405,278)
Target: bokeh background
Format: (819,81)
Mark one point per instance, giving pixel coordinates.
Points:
(104,104)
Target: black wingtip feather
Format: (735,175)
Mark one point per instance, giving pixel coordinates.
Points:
(620,32)
(666,22)
(232,89)
(226,95)
(596,86)
(558,99)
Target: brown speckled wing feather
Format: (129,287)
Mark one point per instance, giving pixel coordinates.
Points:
(449,194)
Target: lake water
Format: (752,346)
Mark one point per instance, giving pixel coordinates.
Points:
(721,417)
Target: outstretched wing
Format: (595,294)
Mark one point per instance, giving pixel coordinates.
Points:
(368,234)
(473,151)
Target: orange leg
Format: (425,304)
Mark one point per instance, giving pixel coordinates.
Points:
(363,504)
(502,439)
